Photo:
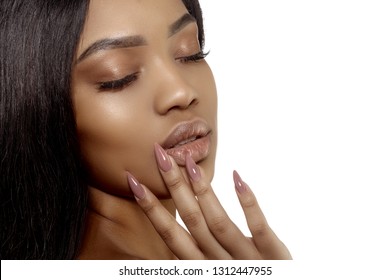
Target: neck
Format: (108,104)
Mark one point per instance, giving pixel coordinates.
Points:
(117,228)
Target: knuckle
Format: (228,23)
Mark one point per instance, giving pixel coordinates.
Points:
(192,219)
(168,234)
(201,189)
(249,202)
(259,229)
(175,183)
(149,206)
(219,225)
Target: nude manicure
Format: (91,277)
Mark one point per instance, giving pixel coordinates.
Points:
(192,169)
(163,160)
(239,184)
(135,187)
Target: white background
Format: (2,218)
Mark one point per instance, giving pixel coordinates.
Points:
(304,116)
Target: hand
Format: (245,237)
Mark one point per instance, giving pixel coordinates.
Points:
(212,235)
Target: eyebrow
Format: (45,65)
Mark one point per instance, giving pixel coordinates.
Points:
(179,24)
(132,41)
(112,43)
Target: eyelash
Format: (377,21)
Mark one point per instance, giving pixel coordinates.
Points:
(193,58)
(122,83)
(118,84)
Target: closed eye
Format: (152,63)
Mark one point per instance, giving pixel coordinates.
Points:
(117,84)
(193,58)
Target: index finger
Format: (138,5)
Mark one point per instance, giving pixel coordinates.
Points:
(175,237)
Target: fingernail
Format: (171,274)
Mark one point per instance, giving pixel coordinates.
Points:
(239,184)
(192,169)
(135,187)
(162,158)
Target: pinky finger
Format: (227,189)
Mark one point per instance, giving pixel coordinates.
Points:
(265,239)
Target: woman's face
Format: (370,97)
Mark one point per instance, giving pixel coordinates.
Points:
(136,83)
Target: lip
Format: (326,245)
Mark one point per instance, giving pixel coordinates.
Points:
(188,138)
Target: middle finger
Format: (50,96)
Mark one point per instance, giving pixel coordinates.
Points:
(221,226)
(188,206)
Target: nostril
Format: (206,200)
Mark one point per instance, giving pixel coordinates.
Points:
(175,108)
(186,105)
(193,102)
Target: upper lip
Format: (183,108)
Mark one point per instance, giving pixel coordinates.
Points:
(185,131)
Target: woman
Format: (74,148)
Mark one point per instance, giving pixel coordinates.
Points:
(114,102)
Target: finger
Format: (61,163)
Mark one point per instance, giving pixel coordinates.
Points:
(263,236)
(188,207)
(223,229)
(175,237)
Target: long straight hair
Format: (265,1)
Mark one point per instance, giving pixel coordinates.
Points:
(43,199)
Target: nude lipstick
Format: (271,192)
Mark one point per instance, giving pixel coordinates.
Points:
(191,138)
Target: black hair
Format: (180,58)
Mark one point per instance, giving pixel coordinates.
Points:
(43,198)
(43,201)
(195,10)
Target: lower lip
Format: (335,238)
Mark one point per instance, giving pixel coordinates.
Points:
(198,149)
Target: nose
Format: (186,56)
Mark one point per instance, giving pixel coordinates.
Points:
(173,90)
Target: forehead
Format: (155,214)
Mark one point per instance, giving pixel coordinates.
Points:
(107,19)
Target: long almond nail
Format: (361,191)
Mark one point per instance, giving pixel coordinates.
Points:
(239,184)
(135,187)
(192,169)
(163,160)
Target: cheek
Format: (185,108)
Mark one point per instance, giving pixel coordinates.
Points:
(209,100)
(206,87)
(113,139)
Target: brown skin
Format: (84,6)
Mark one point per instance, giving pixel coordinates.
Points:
(118,129)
